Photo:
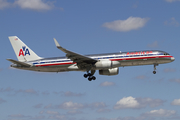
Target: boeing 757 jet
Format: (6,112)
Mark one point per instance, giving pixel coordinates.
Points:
(106,64)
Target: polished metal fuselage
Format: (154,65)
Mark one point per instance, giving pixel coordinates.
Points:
(121,59)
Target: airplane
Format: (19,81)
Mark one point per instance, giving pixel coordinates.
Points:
(107,64)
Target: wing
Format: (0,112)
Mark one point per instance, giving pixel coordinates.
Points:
(19,63)
(75,57)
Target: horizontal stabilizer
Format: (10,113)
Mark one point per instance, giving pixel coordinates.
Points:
(19,63)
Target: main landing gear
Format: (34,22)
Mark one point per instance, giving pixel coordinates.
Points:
(90,75)
(154,72)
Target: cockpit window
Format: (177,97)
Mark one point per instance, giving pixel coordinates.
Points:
(166,54)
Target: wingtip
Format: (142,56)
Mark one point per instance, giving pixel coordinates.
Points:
(8,59)
(56,43)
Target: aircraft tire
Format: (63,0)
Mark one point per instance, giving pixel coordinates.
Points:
(89,74)
(85,75)
(89,78)
(94,78)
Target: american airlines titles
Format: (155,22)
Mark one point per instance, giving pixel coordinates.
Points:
(139,53)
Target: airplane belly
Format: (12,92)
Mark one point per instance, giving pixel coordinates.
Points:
(61,68)
(48,69)
(145,62)
(73,67)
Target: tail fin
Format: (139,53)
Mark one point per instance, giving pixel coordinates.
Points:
(22,51)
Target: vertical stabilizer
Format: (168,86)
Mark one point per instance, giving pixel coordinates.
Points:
(22,51)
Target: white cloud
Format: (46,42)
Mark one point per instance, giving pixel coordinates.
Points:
(149,102)
(160,113)
(41,112)
(28,91)
(58,117)
(72,94)
(45,93)
(73,112)
(16,115)
(153,45)
(37,5)
(170,1)
(102,118)
(38,118)
(105,84)
(167,70)
(176,102)
(152,115)
(71,105)
(136,103)
(97,105)
(172,22)
(127,102)
(48,106)
(132,23)
(8,89)
(52,112)
(34,4)
(121,118)
(135,5)
(4,4)
(38,105)
(2,100)
(175,80)
(69,94)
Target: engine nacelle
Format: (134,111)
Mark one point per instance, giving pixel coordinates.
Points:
(106,64)
(112,71)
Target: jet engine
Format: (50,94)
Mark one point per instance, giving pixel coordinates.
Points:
(112,71)
(106,64)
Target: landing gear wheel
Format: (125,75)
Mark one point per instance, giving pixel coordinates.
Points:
(93,77)
(89,74)
(85,75)
(90,78)
(154,72)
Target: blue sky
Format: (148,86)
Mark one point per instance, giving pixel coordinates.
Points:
(89,27)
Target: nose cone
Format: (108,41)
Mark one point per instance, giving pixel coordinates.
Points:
(172,58)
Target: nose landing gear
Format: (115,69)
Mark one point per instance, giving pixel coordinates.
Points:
(154,72)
